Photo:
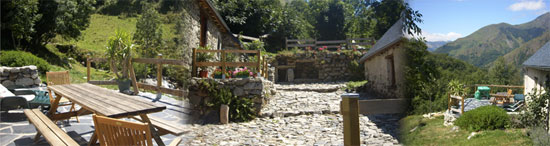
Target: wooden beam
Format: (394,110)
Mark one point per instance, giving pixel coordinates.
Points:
(133,77)
(159,74)
(99,59)
(383,106)
(88,65)
(350,111)
(161,61)
(103,82)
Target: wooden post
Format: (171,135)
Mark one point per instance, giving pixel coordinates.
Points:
(133,77)
(462,110)
(258,58)
(223,62)
(88,67)
(159,74)
(194,68)
(349,107)
(449,101)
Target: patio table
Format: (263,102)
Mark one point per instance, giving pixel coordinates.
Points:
(103,102)
(502,96)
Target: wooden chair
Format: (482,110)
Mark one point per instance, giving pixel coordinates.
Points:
(60,78)
(113,132)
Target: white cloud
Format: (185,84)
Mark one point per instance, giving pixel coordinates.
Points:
(451,36)
(527,5)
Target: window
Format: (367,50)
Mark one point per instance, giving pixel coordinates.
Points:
(391,70)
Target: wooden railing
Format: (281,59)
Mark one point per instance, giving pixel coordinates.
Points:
(351,107)
(158,61)
(223,64)
(303,43)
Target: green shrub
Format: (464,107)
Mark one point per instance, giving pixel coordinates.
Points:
(20,58)
(241,109)
(484,118)
(353,85)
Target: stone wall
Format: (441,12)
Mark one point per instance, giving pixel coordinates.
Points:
(257,89)
(313,67)
(378,72)
(26,76)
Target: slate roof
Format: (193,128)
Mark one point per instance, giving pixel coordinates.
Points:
(541,58)
(392,36)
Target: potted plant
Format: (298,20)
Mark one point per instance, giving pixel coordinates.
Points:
(219,74)
(242,73)
(204,57)
(119,52)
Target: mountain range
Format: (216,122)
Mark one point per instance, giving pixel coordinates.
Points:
(432,46)
(515,42)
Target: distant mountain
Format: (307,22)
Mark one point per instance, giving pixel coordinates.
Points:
(516,42)
(432,46)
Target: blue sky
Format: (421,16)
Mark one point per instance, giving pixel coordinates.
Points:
(448,20)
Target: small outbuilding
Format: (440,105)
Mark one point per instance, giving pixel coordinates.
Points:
(385,63)
(537,70)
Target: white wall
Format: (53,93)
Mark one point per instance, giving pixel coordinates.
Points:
(529,80)
(376,72)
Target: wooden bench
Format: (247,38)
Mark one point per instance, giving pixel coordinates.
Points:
(166,127)
(44,126)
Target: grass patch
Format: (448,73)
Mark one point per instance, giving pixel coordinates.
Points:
(101,27)
(432,132)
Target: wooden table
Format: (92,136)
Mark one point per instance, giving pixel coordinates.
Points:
(103,102)
(503,96)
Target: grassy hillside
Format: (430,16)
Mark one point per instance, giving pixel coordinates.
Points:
(519,55)
(101,27)
(488,43)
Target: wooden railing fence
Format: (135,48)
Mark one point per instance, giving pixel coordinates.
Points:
(303,43)
(351,107)
(158,61)
(223,64)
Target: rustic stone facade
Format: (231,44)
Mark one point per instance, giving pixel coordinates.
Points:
(26,76)
(257,89)
(313,67)
(379,68)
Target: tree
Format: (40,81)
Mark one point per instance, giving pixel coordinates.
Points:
(329,19)
(293,25)
(387,12)
(250,17)
(149,31)
(62,17)
(18,19)
(503,73)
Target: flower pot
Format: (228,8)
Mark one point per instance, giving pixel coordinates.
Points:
(124,84)
(203,73)
(218,76)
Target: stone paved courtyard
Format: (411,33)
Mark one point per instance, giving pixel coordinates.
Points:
(296,115)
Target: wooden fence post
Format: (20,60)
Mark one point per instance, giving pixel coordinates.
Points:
(159,75)
(88,67)
(349,108)
(133,77)
(223,62)
(259,59)
(194,68)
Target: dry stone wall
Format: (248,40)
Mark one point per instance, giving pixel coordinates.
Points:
(26,76)
(313,67)
(258,90)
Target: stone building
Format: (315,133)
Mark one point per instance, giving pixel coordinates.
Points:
(204,27)
(385,63)
(537,70)
(207,28)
